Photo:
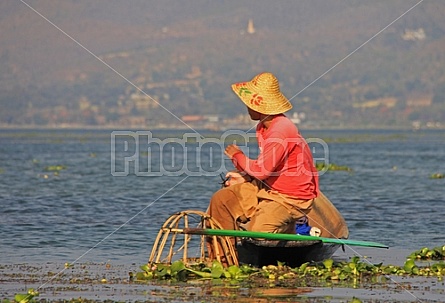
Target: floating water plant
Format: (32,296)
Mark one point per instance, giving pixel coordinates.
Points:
(178,271)
(26,298)
(322,166)
(68,265)
(437,176)
(436,253)
(55,168)
(355,270)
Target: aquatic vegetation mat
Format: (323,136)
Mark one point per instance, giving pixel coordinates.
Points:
(328,270)
(353,281)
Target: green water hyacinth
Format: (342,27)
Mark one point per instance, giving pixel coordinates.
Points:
(178,271)
(26,298)
(436,269)
(55,168)
(436,253)
(329,270)
(437,176)
(321,166)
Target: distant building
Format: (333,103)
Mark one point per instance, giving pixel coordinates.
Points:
(388,102)
(297,118)
(414,35)
(192,118)
(212,118)
(250,27)
(419,100)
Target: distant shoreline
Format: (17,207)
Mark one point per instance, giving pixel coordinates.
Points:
(193,128)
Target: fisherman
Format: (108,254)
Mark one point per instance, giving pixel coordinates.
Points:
(272,192)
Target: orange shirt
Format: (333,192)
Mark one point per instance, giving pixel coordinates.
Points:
(285,161)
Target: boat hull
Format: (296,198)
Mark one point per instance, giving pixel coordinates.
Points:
(292,253)
(323,215)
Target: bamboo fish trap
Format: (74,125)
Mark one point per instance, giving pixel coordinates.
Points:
(172,244)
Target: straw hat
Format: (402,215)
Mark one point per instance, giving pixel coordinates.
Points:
(262,94)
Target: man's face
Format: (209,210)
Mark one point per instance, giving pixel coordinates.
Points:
(254,115)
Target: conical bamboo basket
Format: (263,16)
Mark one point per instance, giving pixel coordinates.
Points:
(171,244)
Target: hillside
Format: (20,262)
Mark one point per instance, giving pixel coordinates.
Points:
(140,63)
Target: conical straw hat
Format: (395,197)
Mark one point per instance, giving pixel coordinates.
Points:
(262,94)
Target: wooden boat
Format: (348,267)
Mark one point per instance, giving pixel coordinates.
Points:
(255,248)
(292,253)
(324,215)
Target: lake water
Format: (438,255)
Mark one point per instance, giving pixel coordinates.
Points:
(89,209)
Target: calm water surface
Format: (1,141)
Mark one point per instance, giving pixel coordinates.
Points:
(85,212)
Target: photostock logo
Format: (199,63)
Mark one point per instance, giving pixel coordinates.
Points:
(141,154)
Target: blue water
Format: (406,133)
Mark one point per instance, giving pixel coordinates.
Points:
(85,212)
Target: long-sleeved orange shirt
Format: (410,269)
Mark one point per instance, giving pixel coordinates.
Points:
(285,161)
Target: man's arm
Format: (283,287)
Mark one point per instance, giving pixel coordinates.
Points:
(272,155)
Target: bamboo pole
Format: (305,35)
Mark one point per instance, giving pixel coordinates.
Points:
(285,237)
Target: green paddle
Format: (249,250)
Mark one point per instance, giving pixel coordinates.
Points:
(271,236)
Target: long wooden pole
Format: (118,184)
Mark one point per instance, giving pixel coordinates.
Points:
(272,236)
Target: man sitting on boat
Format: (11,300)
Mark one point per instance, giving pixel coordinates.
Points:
(272,192)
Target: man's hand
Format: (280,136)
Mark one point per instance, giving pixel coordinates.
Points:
(231,150)
(234,177)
